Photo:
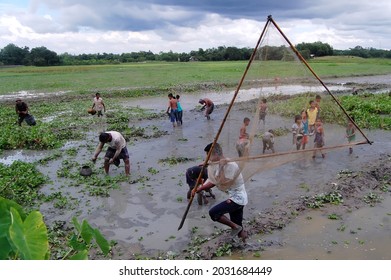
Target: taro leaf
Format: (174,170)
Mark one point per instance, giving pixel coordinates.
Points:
(102,242)
(87,232)
(5,248)
(77,224)
(76,243)
(5,216)
(82,255)
(29,237)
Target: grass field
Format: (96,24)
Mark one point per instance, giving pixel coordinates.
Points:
(163,75)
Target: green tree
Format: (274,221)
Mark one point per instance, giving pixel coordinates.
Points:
(41,56)
(316,48)
(13,55)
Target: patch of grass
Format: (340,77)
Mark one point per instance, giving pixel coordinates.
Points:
(372,198)
(175,160)
(319,200)
(225,249)
(334,217)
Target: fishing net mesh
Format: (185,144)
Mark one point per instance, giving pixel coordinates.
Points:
(275,95)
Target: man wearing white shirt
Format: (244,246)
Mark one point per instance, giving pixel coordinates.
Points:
(227,177)
(117,150)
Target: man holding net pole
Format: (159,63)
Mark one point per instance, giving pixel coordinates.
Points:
(227,177)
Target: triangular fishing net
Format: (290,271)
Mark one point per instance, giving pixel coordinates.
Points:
(278,95)
(292,115)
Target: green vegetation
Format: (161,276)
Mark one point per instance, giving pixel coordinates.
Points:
(319,200)
(175,160)
(64,121)
(20,182)
(26,237)
(41,56)
(368,110)
(136,79)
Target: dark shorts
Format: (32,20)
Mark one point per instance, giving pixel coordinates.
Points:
(209,109)
(192,174)
(234,210)
(122,155)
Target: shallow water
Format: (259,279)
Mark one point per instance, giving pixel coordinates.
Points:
(366,236)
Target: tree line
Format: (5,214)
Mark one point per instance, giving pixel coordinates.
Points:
(41,56)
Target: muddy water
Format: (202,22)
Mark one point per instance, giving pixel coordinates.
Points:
(364,234)
(144,216)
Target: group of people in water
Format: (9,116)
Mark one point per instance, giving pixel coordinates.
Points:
(221,172)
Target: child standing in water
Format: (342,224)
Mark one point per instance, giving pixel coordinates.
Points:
(297,132)
(242,145)
(262,111)
(180,110)
(319,137)
(312,113)
(268,141)
(350,134)
(304,121)
(172,109)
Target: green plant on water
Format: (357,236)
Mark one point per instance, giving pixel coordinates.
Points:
(372,198)
(334,217)
(225,249)
(25,236)
(98,191)
(20,182)
(174,160)
(304,187)
(53,156)
(341,228)
(385,187)
(194,230)
(179,199)
(153,171)
(60,201)
(319,200)
(72,152)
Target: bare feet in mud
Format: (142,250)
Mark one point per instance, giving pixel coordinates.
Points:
(243,235)
(235,231)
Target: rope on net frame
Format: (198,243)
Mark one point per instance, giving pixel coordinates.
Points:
(205,163)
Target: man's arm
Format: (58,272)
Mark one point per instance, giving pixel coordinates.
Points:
(205,186)
(118,150)
(97,151)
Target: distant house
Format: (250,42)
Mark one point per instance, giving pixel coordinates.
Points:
(193,58)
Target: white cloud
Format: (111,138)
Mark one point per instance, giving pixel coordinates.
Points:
(125,26)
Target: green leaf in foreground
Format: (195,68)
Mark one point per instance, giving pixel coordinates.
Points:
(29,236)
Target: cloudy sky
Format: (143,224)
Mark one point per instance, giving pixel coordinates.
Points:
(120,26)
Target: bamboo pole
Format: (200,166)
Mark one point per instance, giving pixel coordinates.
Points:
(224,120)
(246,158)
